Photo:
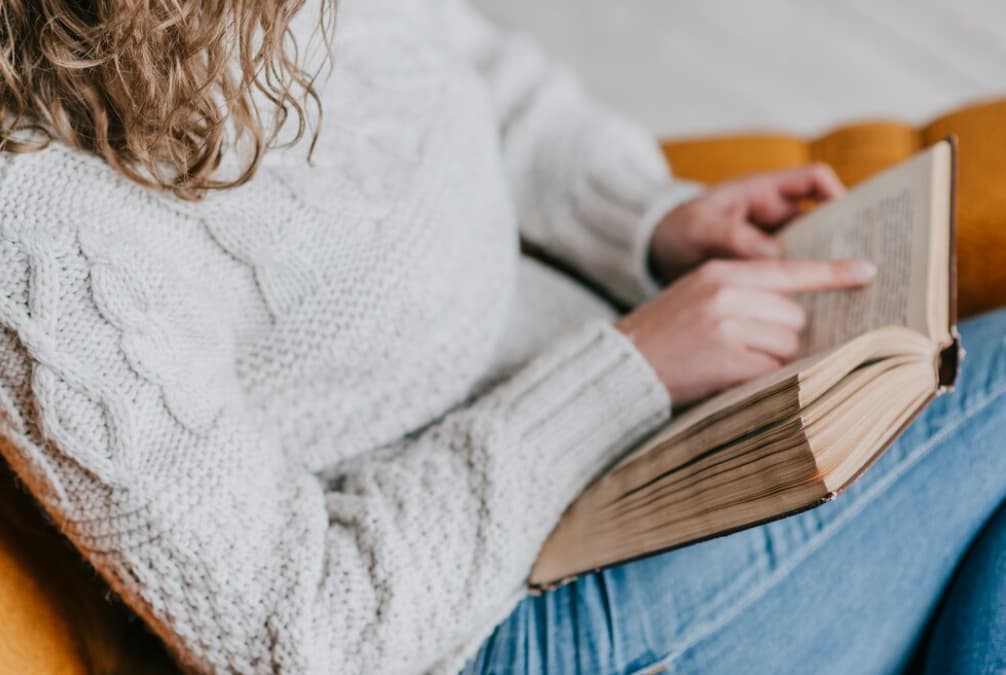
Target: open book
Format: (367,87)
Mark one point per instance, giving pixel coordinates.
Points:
(870,361)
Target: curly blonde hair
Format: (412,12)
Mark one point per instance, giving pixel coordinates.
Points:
(161,89)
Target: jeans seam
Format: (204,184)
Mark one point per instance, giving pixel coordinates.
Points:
(702,633)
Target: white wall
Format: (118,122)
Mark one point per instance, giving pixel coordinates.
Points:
(693,66)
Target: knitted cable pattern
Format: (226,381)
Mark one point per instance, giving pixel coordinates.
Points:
(287,423)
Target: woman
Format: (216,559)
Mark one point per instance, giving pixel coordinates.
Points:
(315,417)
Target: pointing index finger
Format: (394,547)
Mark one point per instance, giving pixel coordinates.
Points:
(802,276)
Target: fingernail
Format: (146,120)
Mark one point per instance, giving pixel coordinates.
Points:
(864,269)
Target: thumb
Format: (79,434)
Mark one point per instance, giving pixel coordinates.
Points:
(741,239)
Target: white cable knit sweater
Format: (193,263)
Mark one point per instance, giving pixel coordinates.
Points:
(296,425)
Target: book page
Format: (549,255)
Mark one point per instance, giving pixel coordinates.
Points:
(887,220)
(894,220)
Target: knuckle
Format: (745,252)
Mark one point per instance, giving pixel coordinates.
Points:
(736,238)
(720,298)
(723,329)
(714,271)
(822,169)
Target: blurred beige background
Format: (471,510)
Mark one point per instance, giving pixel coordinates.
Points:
(696,66)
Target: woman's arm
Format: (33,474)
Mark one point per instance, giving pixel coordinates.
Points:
(241,559)
(590,185)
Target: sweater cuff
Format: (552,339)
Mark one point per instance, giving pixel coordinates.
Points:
(678,192)
(582,405)
(628,189)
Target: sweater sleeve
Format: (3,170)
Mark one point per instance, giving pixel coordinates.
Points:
(590,185)
(139,443)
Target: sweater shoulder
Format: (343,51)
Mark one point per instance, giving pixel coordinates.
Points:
(50,194)
(79,259)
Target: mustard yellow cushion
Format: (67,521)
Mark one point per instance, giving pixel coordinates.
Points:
(57,615)
(859,150)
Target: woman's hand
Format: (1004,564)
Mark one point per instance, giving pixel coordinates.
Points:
(730,321)
(732,219)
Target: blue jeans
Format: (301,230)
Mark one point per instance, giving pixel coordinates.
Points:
(905,571)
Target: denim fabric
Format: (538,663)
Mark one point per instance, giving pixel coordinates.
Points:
(970,632)
(868,583)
